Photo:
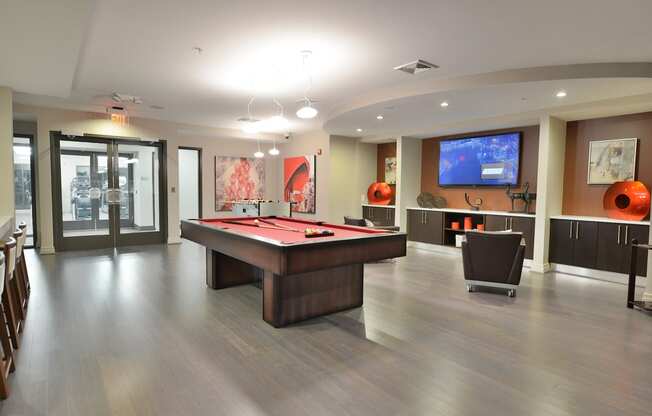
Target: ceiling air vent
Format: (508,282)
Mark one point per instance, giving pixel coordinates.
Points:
(416,67)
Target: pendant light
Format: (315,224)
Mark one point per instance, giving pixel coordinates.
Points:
(307,111)
(250,124)
(274,150)
(259,154)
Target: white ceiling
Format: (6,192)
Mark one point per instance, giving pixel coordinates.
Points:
(75,55)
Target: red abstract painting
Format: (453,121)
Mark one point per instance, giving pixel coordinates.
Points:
(238,178)
(299,183)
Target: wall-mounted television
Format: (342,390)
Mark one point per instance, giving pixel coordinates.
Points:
(491,160)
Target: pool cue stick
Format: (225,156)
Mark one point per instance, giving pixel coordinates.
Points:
(287,227)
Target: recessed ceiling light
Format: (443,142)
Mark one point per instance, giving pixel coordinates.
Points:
(358,130)
(444,104)
(380,117)
(561,94)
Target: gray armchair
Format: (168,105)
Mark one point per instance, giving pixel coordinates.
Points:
(493,259)
(361,222)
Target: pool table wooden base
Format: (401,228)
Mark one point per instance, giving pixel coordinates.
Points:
(293,297)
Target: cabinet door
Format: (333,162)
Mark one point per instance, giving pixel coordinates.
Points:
(642,234)
(392,216)
(611,247)
(495,222)
(366,213)
(562,234)
(526,226)
(415,225)
(434,227)
(585,247)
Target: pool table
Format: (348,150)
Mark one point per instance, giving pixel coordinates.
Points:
(301,277)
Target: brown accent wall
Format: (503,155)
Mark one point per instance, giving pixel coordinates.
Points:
(581,198)
(385,150)
(494,198)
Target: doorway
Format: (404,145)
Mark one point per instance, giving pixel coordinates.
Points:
(190,194)
(107,192)
(25,185)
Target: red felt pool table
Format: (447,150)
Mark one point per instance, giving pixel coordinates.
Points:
(301,277)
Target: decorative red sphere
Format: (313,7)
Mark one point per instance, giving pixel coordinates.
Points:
(379,193)
(629,200)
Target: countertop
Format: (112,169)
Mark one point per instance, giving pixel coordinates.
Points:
(380,206)
(597,219)
(481,212)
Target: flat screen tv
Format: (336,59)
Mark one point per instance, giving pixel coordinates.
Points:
(480,161)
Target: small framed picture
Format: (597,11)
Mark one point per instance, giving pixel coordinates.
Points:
(612,161)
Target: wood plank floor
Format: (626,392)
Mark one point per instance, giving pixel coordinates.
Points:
(136,332)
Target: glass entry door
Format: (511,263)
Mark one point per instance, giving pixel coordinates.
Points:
(107,192)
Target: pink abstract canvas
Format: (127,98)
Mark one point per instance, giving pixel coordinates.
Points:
(238,178)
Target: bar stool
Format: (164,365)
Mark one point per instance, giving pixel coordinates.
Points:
(9,303)
(7,363)
(21,236)
(23,262)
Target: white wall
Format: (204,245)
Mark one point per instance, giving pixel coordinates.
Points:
(352,170)
(550,186)
(7,207)
(212,141)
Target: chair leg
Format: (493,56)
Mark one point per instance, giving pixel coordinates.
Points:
(20,278)
(8,306)
(5,342)
(23,266)
(18,297)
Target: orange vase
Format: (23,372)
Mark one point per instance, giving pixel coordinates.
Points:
(455,225)
(629,200)
(468,223)
(480,227)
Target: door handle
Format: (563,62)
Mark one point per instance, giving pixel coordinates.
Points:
(425,218)
(577,231)
(619,227)
(570,232)
(626,235)
(506,224)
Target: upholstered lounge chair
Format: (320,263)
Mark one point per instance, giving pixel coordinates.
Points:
(493,259)
(361,222)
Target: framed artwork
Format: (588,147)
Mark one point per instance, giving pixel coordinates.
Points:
(612,161)
(299,184)
(390,170)
(238,178)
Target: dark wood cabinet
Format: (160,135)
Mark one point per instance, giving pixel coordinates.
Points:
(379,215)
(561,241)
(574,243)
(585,253)
(596,245)
(611,249)
(425,226)
(524,225)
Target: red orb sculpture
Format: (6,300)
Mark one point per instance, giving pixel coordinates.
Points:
(629,200)
(379,193)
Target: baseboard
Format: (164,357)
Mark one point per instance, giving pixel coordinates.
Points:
(540,268)
(597,274)
(647,297)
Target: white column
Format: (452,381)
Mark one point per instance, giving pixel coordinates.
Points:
(408,177)
(550,185)
(7,207)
